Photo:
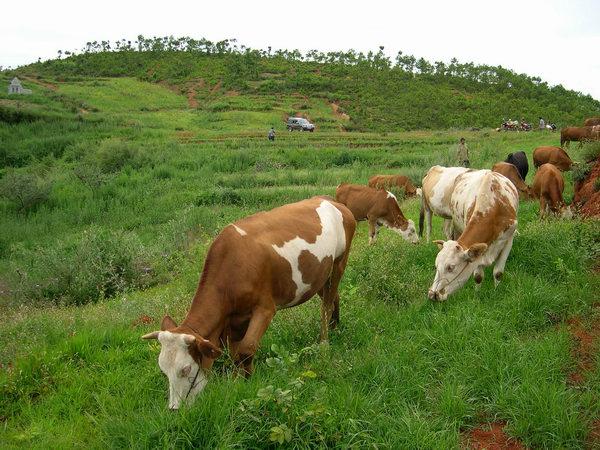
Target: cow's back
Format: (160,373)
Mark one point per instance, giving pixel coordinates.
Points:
(479,190)
(552,155)
(438,186)
(360,199)
(285,253)
(548,182)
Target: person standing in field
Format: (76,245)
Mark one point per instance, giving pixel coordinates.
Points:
(462,153)
(542,124)
(271,134)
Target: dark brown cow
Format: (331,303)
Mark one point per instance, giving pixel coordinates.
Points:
(393,181)
(511,172)
(552,155)
(548,185)
(377,206)
(580,134)
(591,122)
(265,262)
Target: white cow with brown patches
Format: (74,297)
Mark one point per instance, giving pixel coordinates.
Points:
(438,186)
(265,262)
(483,208)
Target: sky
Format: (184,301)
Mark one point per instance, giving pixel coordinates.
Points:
(558,41)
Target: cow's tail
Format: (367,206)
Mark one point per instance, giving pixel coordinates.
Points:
(421,215)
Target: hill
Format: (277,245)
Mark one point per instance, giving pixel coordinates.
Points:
(376,93)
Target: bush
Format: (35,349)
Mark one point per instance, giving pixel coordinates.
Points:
(591,151)
(112,155)
(97,264)
(25,190)
(581,171)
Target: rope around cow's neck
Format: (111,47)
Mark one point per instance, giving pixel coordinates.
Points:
(193,383)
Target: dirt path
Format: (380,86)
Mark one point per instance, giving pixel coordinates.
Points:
(491,437)
(47,85)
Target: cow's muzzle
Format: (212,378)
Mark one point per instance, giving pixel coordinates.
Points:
(437,296)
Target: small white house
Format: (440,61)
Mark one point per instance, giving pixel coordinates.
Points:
(15,87)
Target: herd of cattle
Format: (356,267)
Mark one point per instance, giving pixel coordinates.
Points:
(281,258)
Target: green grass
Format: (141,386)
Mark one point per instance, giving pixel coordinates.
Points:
(400,372)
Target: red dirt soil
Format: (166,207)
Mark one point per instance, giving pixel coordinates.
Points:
(491,437)
(584,350)
(585,194)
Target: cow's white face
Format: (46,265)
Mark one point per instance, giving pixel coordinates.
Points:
(177,364)
(454,265)
(409,233)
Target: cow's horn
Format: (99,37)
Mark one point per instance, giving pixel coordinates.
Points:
(153,335)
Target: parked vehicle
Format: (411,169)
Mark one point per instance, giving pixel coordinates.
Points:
(299,123)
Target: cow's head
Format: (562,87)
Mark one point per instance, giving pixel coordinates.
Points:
(409,233)
(180,360)
(453,267)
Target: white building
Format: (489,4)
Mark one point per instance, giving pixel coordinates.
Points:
(15,87)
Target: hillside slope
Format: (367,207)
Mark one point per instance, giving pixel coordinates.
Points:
(376,93)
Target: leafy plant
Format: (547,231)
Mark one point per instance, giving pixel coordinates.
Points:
(25,190)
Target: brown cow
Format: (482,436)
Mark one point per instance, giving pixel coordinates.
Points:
(580,134)
(393,181)
(511,172)
(591,122)
(552,155)
(548,185)
(265,262)
(377,206)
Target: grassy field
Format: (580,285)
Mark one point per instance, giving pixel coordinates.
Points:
(137,184)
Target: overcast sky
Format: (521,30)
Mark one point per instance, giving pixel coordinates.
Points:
(557,40)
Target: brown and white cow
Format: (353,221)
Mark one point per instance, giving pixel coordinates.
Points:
(378,207)
(438,186)
(548,186)
(484,208)
(552,155)
(590,122)
(255,266)
(394,181)
(511,172)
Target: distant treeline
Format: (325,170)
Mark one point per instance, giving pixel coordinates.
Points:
(377,92)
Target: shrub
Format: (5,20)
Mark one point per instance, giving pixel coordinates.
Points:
(97,264)
(89,174)
(581,171)
(112,155)
(25,190)
(591,151)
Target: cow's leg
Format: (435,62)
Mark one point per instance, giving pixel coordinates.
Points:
(543,206)
(478,274)
(428,215)
(330,306)
(373,229)
(245,350)
(448,228)
(501,260)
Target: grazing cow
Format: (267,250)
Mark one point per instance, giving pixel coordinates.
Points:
(519,160)
(591,122)
(552,155)
(392,181)
(377,206)
(438,185)
(580,134)
(265,262)
(484,211)
(548,186)
(511,172)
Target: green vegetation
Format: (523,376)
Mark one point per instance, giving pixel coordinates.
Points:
(376,92)
(137,183)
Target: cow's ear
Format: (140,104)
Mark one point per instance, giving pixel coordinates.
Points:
(167,323)
(475,251)
(207,348)
(439,243)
